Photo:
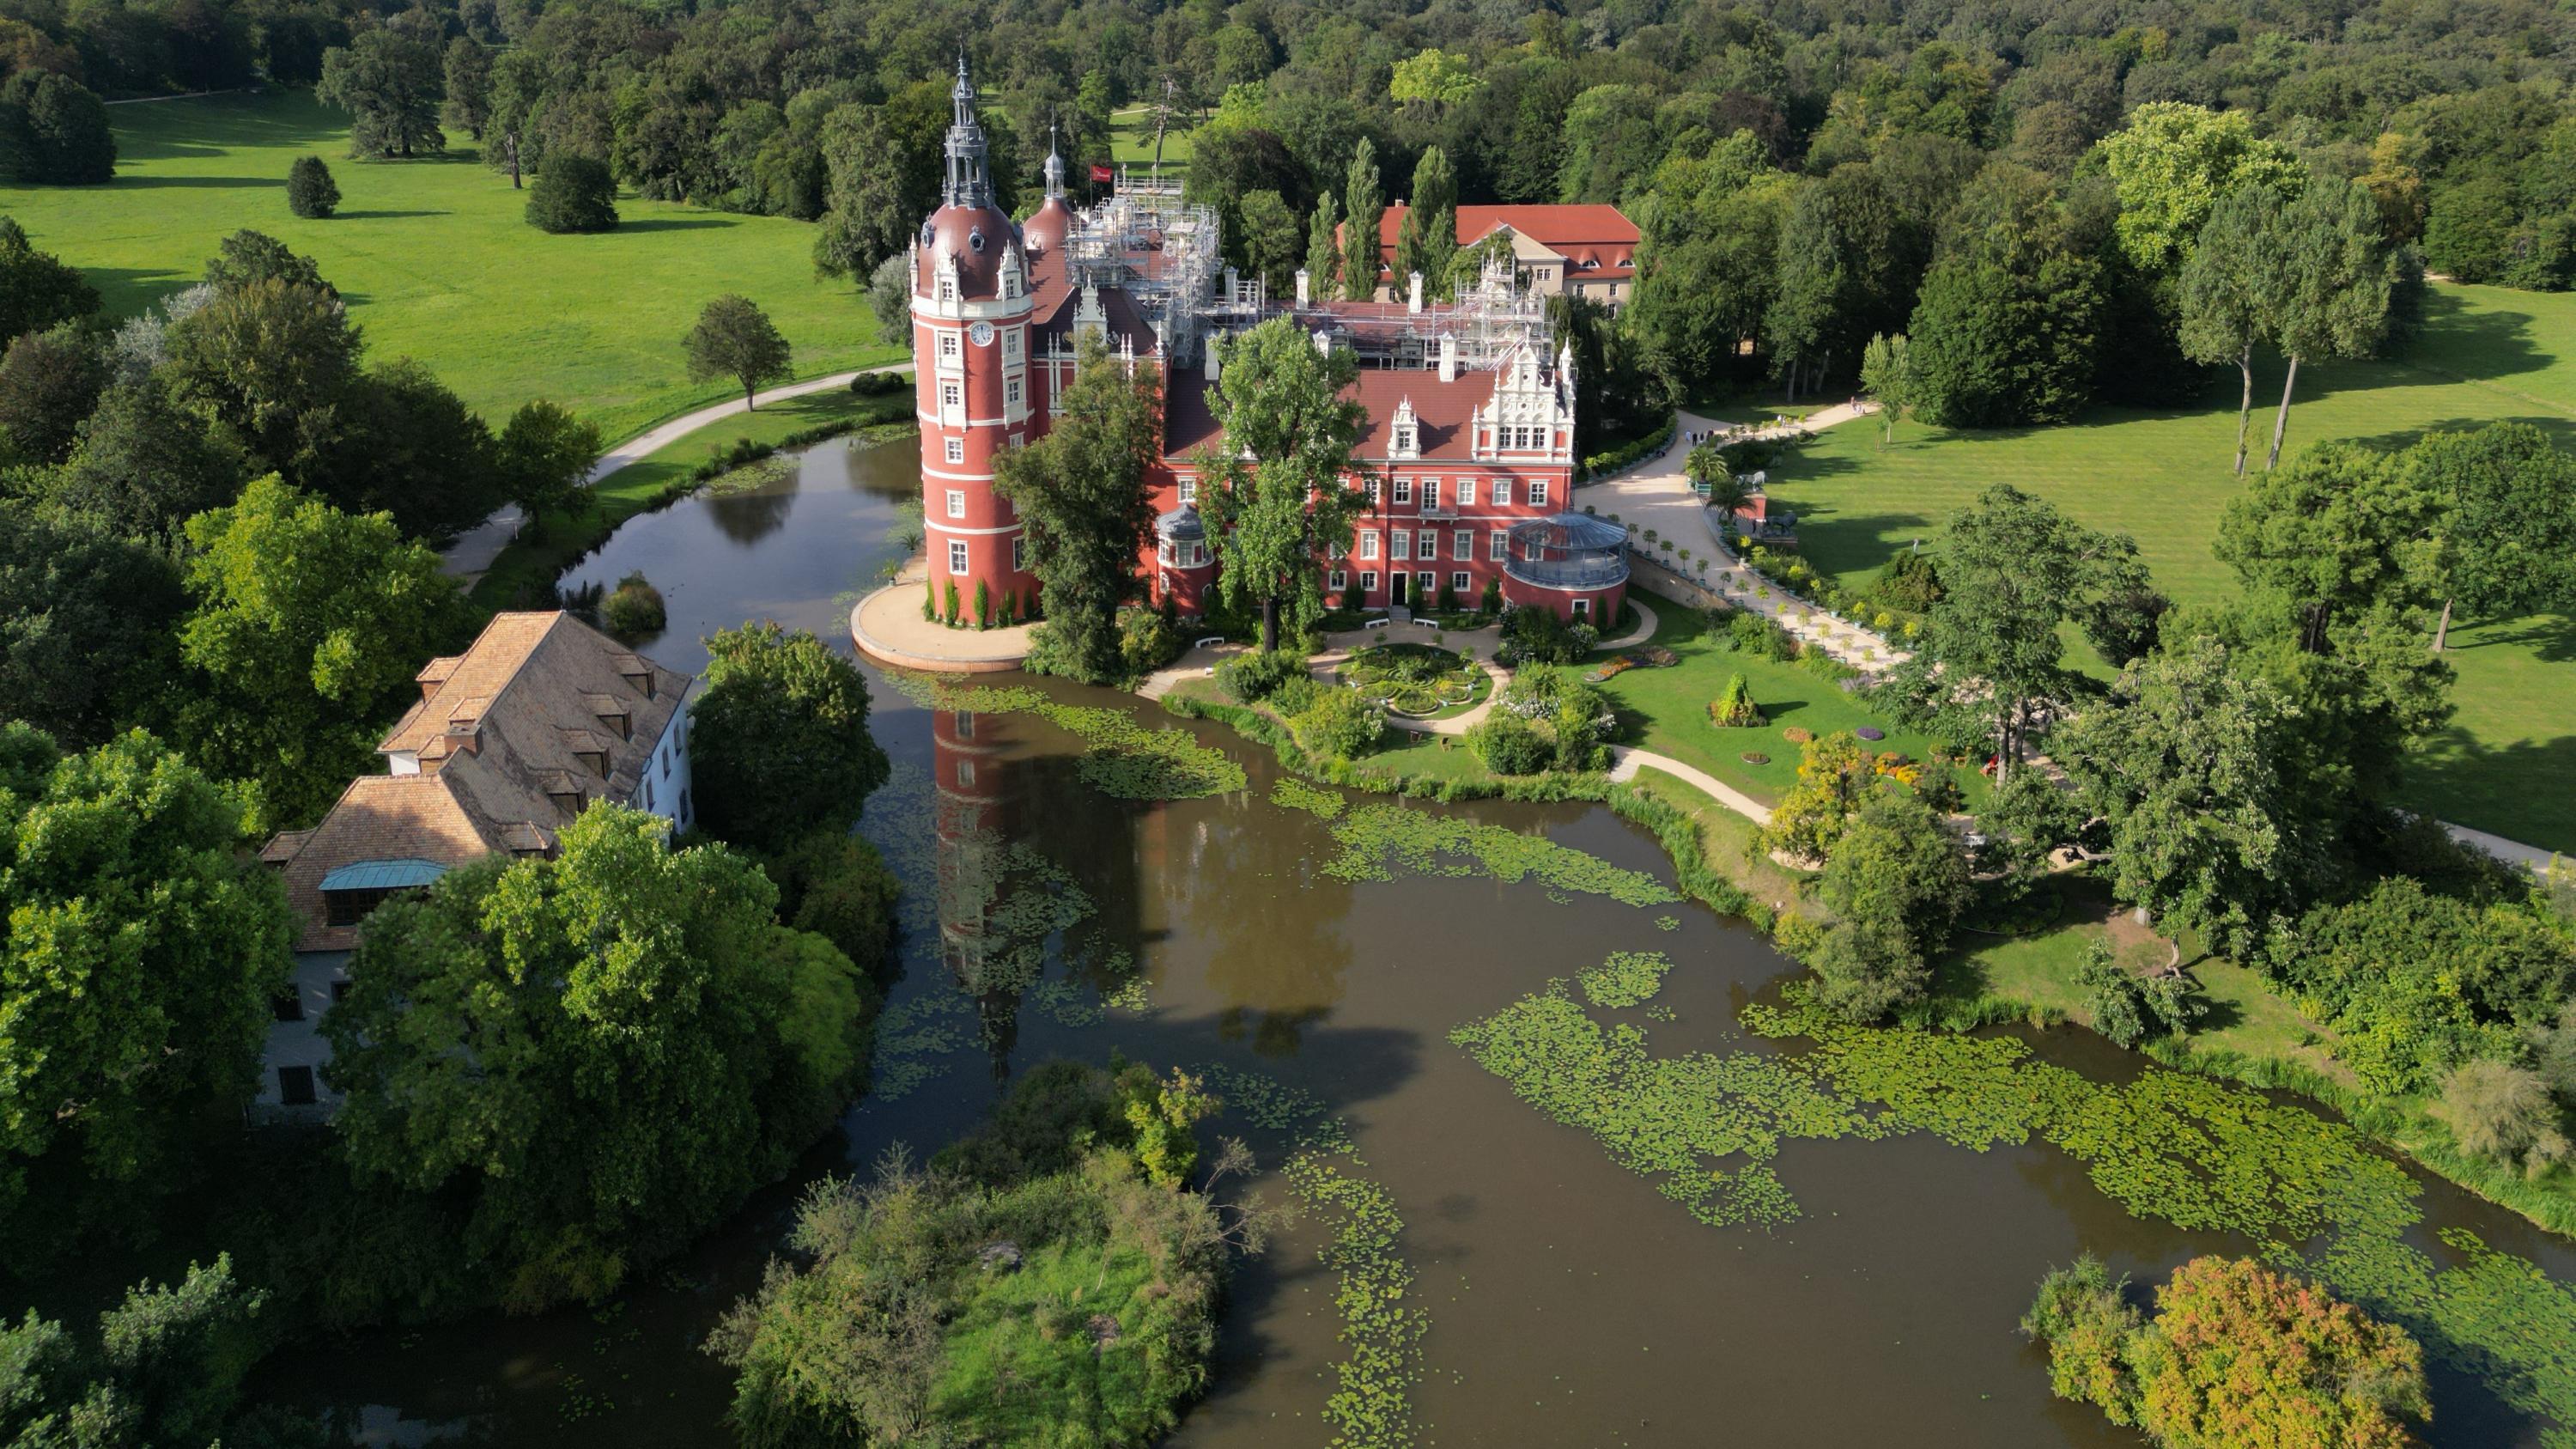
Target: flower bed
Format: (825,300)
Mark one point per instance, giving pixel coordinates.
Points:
(1413,680)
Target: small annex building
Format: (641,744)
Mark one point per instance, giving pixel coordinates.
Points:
(540,718)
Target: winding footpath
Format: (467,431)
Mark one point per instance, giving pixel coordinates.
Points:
(475,549)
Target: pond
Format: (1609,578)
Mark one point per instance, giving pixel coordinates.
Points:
(1567,1301)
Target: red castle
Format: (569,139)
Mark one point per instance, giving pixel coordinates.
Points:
(1470,415)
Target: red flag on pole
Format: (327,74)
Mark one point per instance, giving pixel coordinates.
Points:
(1101,173)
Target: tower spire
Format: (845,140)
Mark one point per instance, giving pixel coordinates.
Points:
(969,184)
(1054,165)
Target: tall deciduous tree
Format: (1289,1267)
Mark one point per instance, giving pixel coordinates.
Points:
(305,629)
(1273,513)
(2228,306)
(2004,333)
(139,947)
(780,746)
(1363,204)
(2508,520)
(1428,236)
(390,83)
(590,1058)
(2189,762)
(49,381)
(1083,493)
(1887,375)
(2321,542)
(87,622)
(141,465)
(467,104)
(1896,883)
(37,289)
(1270,240)
(2170,166)
(53,130)
(1323,249)
(2012,570)
(545,453)
(166,1368)
(735,339)
(270,361)
(2331,283)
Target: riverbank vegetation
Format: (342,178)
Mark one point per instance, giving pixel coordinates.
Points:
(1053,1277)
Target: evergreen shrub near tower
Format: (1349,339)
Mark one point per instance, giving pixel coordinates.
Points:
(952,604)
(929,597)
(983,605)
(310,191)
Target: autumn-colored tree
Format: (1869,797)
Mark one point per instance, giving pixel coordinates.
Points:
(2236,1354)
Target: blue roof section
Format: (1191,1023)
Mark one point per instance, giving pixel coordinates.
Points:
(1572,531)
(383,875)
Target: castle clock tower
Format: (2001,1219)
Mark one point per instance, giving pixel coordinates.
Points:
(971,351)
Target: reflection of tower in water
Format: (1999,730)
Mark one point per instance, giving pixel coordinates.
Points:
(967,817)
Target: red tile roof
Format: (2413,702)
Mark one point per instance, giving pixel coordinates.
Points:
(1442,409)
(1600,241)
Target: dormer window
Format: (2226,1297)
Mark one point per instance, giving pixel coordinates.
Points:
(1404,434)
(596,760)
(568,802)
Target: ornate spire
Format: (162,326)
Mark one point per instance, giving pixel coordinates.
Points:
(1054,165)
(969,184)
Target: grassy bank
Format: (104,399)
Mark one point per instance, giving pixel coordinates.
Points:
(437,261)
(2163,477)
(527,569)
(1669,709)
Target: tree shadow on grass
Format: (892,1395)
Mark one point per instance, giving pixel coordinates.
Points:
(386,215)
(2518,791)
(2561,431)
(672,223)
(200,183)
(2550,637)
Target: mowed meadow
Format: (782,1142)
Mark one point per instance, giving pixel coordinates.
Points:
(437,261)
(2486,354)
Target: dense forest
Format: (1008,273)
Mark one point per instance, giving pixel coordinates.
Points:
(1806,177)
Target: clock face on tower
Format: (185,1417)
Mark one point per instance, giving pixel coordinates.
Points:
(981,334)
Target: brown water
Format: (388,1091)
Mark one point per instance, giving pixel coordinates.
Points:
(1570,1303)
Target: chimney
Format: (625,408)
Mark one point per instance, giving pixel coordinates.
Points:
(1448,357)
(1304,282)
(1413,292)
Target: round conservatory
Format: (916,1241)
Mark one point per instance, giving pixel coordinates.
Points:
(1184,561)
(1573,565)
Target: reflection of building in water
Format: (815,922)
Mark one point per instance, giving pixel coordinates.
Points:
(967,779)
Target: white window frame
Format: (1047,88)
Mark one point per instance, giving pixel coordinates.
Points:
(1461,582)
(1341,580)
(1426,585)
(1426,544)
(947,345)
(1582,608)
(1538,493)
(1019,553)
(1404,490)
(1462,545)
(1189,491)
(1372,493)
(1430,494)
(1400,545)
(1368,544)
(1011,344)
(956,556)
(1466,492)
(1502,493)
(1368,581)
(952,395)
(1010,392)
(957,503)
(956,450)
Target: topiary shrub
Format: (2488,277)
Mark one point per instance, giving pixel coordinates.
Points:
(879,384)
(983,605)
(634,608)
(1492,600)
(1146,640)
(575,193)
(1734,707)
(950,598)
(310,191)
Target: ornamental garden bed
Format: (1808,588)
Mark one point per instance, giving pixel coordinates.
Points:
(1417,681)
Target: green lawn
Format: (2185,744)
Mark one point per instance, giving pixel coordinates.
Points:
(1131,142)
(2162,477)
(1671,706)
(437,261)
(1727,841)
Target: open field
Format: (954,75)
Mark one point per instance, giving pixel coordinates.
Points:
(1131,142)
(2162,477)
(437,260)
